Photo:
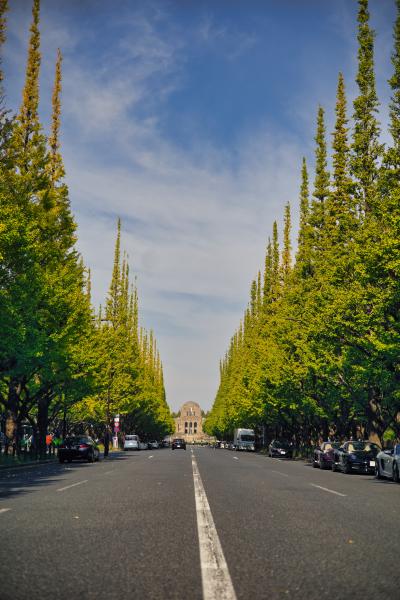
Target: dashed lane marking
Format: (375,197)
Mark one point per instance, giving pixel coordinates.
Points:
(108,472)
(280,473)
(150,456)
(3,510)
(217,583)
(328,490)
(235,458)
(67,487)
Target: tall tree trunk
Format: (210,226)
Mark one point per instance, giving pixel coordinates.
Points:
(12,411)
(42,421)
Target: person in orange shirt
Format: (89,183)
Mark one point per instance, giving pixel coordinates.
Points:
(49,440)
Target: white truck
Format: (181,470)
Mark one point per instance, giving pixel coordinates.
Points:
(244,439)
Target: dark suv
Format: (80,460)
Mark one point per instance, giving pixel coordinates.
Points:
(178,443)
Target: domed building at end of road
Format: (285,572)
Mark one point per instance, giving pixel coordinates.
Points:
(189,424)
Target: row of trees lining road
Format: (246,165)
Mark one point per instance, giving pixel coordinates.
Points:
(57,355)
(126,366)
(317,352)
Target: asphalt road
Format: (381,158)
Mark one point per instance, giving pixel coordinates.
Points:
(127,528)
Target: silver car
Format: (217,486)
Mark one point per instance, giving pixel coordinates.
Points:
(388,464)
(131,442)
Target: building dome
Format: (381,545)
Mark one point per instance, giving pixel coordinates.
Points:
(189,423)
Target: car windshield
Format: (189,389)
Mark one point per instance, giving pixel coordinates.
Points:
(281,445)
(77,440)
(330,445)
(178,441)
(247,438)
(361,446)
(129,438)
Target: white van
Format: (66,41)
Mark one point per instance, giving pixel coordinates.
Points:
(244,439)
(132,442)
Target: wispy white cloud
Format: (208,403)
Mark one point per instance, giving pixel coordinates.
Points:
(225,40)
(196,235)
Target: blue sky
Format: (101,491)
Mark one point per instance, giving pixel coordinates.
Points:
(189,120)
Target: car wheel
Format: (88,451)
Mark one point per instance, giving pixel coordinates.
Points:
(91,457)
(315,463)
(333,466)
(396,477)
(377,471)
(347,469)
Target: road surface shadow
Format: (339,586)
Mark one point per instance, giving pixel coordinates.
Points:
(383,481)
(24,480)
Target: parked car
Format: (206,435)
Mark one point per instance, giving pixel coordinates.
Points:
(154,445)
(165,444)
(80,447)
(388,464)
(280,449)
(131,442)
(178,443)
(143,445)
(323,455)
(357,456)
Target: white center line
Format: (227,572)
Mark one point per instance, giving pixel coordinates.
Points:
(279,473)
(328,490)
(108,472)
(235,458)
(72,485)
(217,583)
(3,510)
(150,456)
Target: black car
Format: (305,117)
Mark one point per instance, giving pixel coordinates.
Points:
(323,455)
(78,447)
(280,449)
(178,443)
(357,456)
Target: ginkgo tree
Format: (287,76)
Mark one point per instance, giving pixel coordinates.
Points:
(325,357)
(55,351)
